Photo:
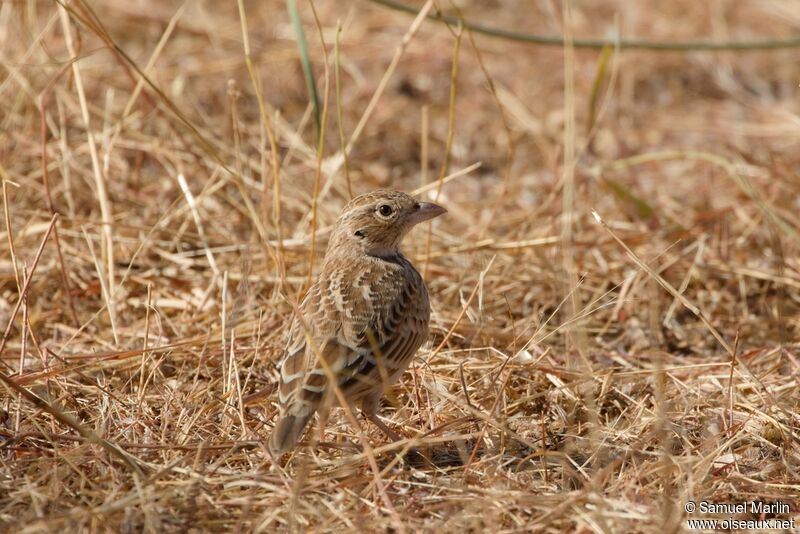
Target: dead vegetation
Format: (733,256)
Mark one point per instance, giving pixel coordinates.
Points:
(585,373)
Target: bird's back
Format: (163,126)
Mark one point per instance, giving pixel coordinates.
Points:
(361,322)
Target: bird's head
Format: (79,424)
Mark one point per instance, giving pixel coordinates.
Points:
(375,223)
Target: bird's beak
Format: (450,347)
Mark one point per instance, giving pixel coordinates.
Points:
(426,211)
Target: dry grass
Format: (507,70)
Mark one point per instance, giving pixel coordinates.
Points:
(580,376)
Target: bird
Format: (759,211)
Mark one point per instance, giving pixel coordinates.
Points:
(361,321)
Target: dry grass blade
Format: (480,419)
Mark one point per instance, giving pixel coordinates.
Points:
(339,113)
(633,44)
(26,282)
(65,419)
(335,162)
(305,61)
(730,169)
(597,85)
(667,286)
(34,399)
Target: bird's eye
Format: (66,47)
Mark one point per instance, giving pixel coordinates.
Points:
(385,210)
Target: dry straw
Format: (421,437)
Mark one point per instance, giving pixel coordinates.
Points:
(615,287)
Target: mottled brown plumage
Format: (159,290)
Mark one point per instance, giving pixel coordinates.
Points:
(366,315)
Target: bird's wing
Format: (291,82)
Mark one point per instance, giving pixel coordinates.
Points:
(297,395)
(389,342)
(365,327)
(312,324)
(362,327)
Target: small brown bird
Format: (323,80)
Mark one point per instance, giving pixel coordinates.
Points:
(363,319)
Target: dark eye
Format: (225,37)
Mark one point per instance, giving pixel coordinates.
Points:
(385,210)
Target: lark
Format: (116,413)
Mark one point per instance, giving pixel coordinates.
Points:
(361,322)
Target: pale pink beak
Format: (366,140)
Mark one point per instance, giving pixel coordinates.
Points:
(425,212)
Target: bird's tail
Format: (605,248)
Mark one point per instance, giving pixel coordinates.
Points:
(287,432)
